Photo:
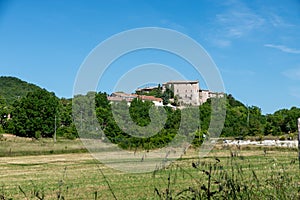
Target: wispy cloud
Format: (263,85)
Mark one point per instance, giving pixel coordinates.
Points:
(293,74)
(283,48)
(221,43)
(236,23)
(278,21)
(236,20)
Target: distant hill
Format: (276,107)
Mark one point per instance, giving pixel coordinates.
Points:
(12,88)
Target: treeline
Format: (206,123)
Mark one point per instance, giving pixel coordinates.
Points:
(244,121)
(41,114)
(12,88)
(120,121)
(38,114)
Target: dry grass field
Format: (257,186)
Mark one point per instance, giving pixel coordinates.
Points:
(252,172)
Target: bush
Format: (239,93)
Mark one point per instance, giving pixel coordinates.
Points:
(1,129)
(282,137)
(37,134)
(199,137)
(259,138)
(69,135)
(68,132)
(292,136)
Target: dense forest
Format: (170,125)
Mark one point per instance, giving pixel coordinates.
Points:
(12,88)
(38,113)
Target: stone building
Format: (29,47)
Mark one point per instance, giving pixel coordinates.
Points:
(120,96)
(187,92)
(206,94)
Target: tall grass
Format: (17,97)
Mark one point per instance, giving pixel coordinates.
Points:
(234,178)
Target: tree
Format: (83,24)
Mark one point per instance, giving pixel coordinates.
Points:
(256,121)
(65,112)
(176,101)
(13,88)
(34,115)
(168,94)
(139,111)
(282,121)
(3,113)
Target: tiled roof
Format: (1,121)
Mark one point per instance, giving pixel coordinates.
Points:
(149,98)
(121,94)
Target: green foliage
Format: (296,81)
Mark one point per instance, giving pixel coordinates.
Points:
(84,113)
(244,121)
(168,94)
(3,114)
(205,114)
(37,134)
(35,113)
(68,132)
(13,88)
(65,112)
(1,130)
(231,178)
(156,92)
(176,101)
(199,137)
(139,111)
(256,121)
(282,121)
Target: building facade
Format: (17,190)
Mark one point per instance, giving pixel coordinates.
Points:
(187,92)
(204,95)
(120,96)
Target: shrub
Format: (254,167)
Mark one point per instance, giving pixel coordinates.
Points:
(282,137)
(1,129)
(68,132)
(37,134)
(69,135)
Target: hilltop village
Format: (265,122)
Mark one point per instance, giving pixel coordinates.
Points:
(172,93)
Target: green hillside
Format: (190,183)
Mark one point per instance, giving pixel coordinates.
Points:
(28,120)
(12,88)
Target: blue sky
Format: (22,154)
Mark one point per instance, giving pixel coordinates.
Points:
(255,44)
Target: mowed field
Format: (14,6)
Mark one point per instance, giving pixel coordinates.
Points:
(59,174)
